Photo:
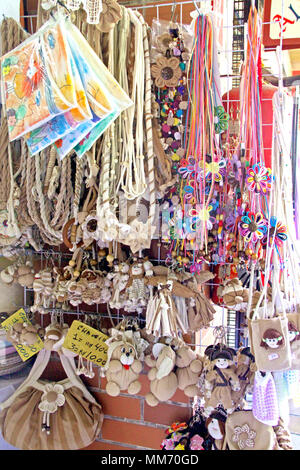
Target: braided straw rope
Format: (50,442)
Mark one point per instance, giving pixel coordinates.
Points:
(12,35)
(149,133)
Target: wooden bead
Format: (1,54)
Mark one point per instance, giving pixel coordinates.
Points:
(185,259)
(76,273)
(110,258)
(101,253)
(93,262)
(72,263)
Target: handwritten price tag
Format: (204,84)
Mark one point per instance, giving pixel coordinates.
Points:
(87,343)
(25,352)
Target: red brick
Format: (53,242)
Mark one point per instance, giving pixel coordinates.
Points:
(122,407)
(180,397)
(106,446)
(54,371)
(166,414)
(134,434)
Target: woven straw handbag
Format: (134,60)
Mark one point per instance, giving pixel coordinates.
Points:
(294,338)
(269,337)
(43,415)
(244,432)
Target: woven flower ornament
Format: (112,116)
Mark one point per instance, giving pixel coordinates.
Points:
(202,216)
(221,119)
(259,179)
(277,231)
(244,436)
(166,72)
(253,227)
(52,398)
(218,169)
(163,42)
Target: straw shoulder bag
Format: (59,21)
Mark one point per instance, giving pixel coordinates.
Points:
(43,415)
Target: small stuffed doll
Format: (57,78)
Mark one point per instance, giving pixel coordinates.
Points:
(189,367)
(162,317)
(25,275)
(24,333)
(122,367)
(119,278)
(55,334)
(221,380)
(136,290)
(294,338)
(163,380)
(245,370)
(200,310)
(233,293)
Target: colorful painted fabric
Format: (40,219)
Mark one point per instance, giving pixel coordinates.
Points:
(63,124)
(37,80)
(105,96)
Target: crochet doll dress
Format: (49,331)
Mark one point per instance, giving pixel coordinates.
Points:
(265,405)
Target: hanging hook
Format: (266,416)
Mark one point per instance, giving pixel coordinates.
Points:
(173,13)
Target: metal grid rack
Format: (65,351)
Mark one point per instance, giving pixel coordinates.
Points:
(234,28)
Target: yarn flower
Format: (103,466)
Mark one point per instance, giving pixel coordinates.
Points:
(202,216)
(221,119)
(278,231)
(163,42)
(167,444)
(166,72)
(259,179)
(196,442)
(217,169)
(253,227)
(187,168)
(52,398)
(244,436)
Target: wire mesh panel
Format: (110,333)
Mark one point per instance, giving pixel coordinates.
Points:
(231,16)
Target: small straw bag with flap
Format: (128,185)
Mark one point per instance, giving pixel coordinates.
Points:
(43,415)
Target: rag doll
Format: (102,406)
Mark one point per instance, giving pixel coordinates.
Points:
(221,380)
(163,380)
(136,289)
(200,310)
(215,425)
(162,318)
(245,370)
(119,279)
(189,367)
(294,339)
(122,367)
(55,334)
(24,333)
(43,286)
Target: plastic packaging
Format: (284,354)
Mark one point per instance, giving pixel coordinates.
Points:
(38,82)
(105,96)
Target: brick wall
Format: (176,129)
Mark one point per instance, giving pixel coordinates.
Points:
(129,422)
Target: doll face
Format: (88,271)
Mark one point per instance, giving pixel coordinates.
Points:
(214,429)
(272,342)
(222,363)
(292,335)
(137,269)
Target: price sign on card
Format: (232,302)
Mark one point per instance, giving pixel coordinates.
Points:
(25,352)
(87,342)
